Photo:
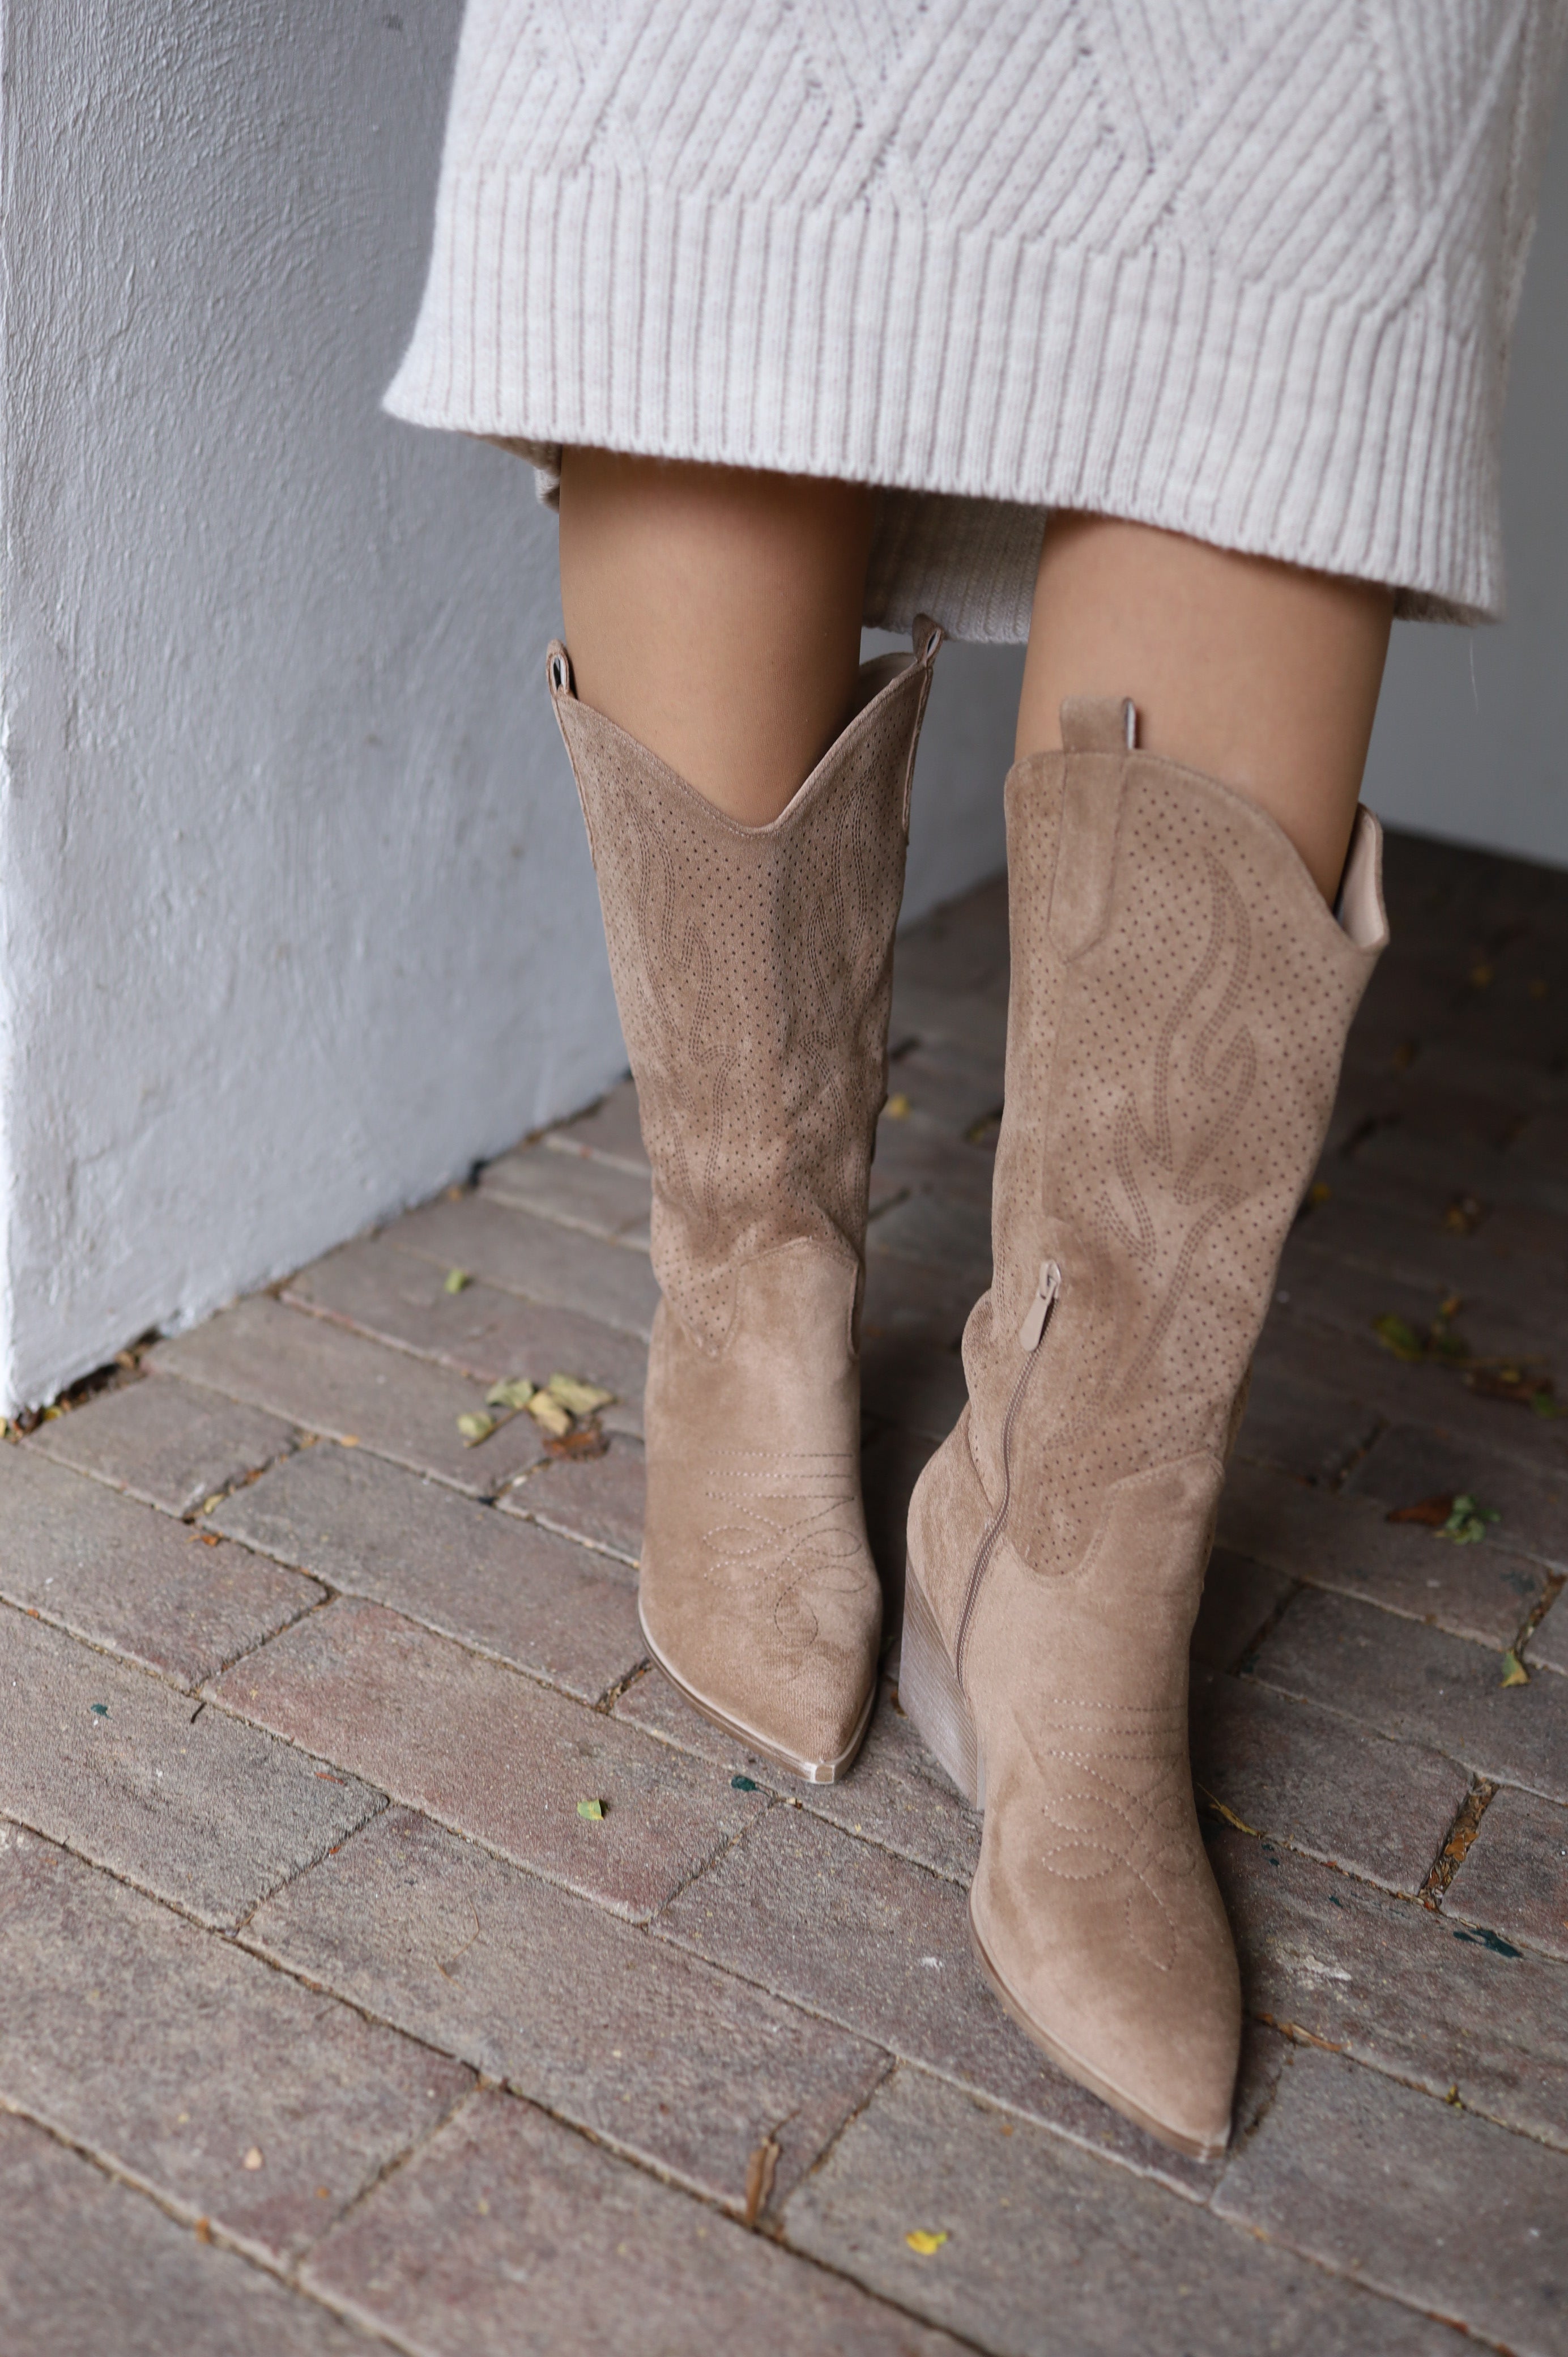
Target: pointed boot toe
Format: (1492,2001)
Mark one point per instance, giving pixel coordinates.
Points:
(757,1592)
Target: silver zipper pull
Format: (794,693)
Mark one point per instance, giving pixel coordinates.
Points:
(1034,1326)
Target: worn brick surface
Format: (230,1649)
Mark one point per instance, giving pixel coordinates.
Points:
(1048,2250)
(1412,1461)
(1421,1686)
(1414,2196)
(1427,2000)
(374,1529)
(1384,1240)
(598,1500)
(1514,1878)
(1309,1430)
(336,1382)
(1483,1592)
(1425,1394)
(1239,1598)
(164,1443)
(87,2264)
(895,1794)
(891,1463)
(1322,1784)
(484,1749)
(883,1946)
(916,1152)
(509,2237)
(915,1387)
(578,1191)
(533,1257)
(911,1302)
(648,2048)
(939,1231)
(1547,1644)
(171,2055)
(126,1577)
(195,1808)
(479,1331)
(610,1130)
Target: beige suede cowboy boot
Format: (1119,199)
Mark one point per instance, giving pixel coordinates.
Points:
(753,970)
(1180,998)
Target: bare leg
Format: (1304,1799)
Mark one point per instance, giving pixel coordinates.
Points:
(715,615)
(1259,675)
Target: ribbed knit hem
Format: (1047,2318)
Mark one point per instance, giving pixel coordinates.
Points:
(1006,379)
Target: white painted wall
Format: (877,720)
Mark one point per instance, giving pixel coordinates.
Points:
(296,915)
(296,920)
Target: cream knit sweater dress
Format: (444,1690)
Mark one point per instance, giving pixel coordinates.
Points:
(1243,268)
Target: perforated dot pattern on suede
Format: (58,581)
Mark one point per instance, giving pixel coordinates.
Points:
(752,971)
(1167,1093)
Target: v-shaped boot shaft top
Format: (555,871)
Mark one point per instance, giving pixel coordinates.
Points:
(753,970)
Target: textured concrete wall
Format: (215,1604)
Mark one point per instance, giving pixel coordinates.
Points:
(295,914)
(297,918)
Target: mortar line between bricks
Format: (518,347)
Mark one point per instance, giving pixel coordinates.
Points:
(272,1962)
(1538,1610)
(819,2011)
(1266,1628)
(312,1436)
(1496,1441)
(424,1808)
(535,1300)
(183,1912)
(107,1652)
(1390,1735)
(1323,1586)
(557,1219)
(709,2202)
(1377,2290)
(1298,2035)
(598,1705)
(189,1520)
(181,2214)
(394,2165)
(793,1799)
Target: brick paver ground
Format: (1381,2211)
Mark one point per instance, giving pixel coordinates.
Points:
(328,2021)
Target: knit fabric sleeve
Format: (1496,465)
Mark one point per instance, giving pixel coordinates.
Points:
(1240,269)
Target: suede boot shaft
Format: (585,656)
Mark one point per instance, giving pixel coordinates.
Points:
(753,972)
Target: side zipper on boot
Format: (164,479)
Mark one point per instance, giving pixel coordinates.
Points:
(930,1687)
(1031,1334)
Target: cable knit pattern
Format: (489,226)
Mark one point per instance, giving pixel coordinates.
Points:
(1243,270)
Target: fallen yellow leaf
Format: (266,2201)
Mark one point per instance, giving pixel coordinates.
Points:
(577,1397)
(512,1391)
(924,2242)
(1514,1671)
(898,1107)
(476,1427)
(547,1409)
(457,1279)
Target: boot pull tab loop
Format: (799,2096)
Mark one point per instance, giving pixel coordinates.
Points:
(928,636)
(1099,724)
(558,672)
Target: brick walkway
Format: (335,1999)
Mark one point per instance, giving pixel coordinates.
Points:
(325,2012)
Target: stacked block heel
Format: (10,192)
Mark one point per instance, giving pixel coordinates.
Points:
(930,1695)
